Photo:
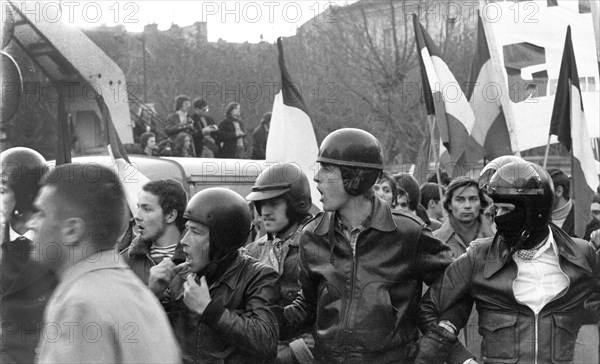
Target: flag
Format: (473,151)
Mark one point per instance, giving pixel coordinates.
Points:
(526,59)
(445,99)
(490,129)
(131,178)
(291,135)
(569,125)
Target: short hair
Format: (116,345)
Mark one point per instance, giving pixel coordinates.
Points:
(559,178)
(199,103)
(179,100)
(171,196)
(410,184)
(96,194)
(463,181)
(266,118)
(230,107)
(430,191)
(387,176)
(144,138)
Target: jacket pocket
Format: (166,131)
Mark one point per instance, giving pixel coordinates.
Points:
(329,308)
(500,336)
(565,328)
(375,318)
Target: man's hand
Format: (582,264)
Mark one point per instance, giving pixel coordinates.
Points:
(196,297)
(435,345)
(162,274)
(595,238)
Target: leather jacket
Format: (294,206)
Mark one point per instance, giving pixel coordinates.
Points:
(364,305)
(511,331)
(239,325)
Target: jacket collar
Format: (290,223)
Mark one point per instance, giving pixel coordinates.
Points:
(139,246)
(445,232)
(231,277)
(381,219)
(497,258)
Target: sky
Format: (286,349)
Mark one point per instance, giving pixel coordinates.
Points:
(233,21)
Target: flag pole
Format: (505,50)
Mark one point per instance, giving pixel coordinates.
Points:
(547,150)
(433,146)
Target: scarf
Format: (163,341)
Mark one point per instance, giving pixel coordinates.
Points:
(467,233)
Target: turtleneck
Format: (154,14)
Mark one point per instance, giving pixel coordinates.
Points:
(559,215)
(466,231)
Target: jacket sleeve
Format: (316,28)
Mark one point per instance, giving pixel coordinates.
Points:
(173,126)
(303,310)
(256,330)
(434,256)
(448,299)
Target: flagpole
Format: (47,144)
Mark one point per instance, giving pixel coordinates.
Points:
(433,146)
(547,150)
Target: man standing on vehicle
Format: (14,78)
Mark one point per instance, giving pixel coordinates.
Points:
(362,266)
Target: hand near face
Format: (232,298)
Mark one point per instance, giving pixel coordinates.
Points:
(162,274)
(196,297)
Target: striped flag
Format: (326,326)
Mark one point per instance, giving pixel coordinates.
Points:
(445,99)
(131,178)
(569,124)
(291,135)
(490,129)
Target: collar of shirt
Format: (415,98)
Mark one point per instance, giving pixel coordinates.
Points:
(13,235)
(549,242)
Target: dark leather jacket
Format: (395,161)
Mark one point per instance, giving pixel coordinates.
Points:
(365,305)
(240,324)
(25,288)
(511,331)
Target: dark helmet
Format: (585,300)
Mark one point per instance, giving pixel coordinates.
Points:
(22,170)
(488,171)
(358,154)
(529,187)
(351,148)
(227,216)
(286,180)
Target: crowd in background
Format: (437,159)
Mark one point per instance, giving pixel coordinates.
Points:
(190,131)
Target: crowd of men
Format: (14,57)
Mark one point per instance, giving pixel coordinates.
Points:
(366,280)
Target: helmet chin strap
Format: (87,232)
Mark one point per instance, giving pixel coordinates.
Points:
(525,234)
(213,266)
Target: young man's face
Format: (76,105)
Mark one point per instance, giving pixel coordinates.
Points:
(196,245)
(384,191)
(151,143)
(595,208)
(186,106)
(436,208)
(150,218)
(7,201)
(465,204)
(330,184)
(274,215)
(403,203)
(47,227)
(236,112)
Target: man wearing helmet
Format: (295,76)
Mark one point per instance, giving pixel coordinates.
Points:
(281,196)
(530,282)
(223,306)
(361,265)
(25,285)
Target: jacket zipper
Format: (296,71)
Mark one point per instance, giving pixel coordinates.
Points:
(348,312)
